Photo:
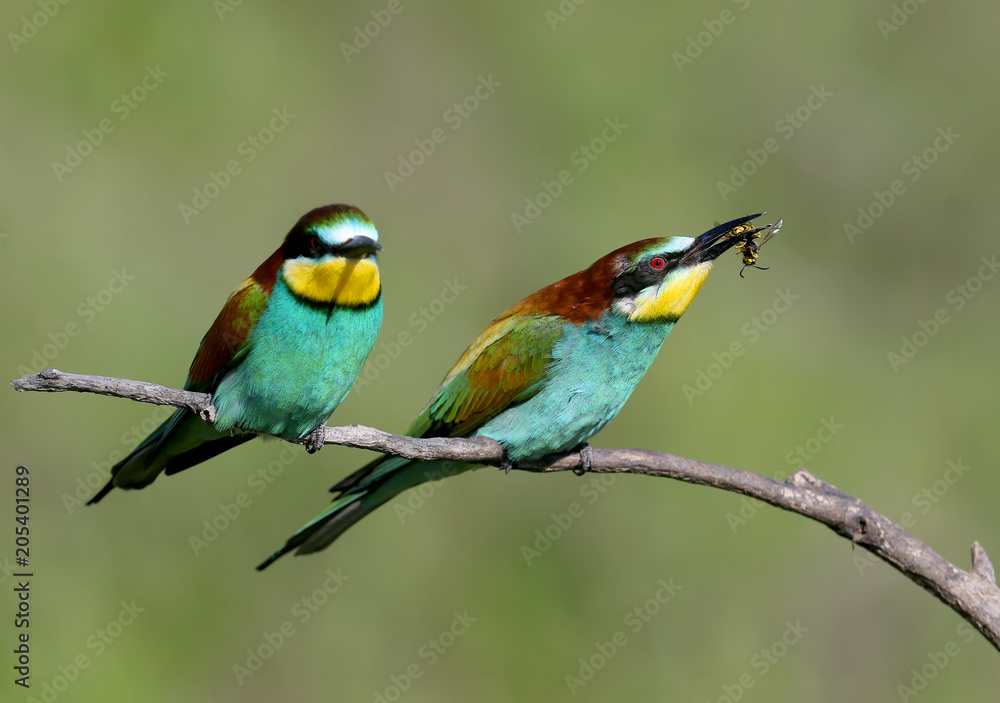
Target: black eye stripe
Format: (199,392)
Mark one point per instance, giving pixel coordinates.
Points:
(306,244)
(644,274)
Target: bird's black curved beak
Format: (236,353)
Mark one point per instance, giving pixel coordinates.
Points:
(715,242)
(358,247)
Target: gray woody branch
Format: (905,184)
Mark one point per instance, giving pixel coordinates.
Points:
(972,594)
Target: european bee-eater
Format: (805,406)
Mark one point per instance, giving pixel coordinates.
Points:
(283,353)
(547,374)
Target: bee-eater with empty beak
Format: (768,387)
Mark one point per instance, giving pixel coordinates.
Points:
(283,353)
(547,374)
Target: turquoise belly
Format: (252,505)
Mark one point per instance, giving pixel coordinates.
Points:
(595,370)
(302,362)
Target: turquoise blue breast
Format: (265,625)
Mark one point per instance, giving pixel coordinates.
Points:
(300,363)
(595,369)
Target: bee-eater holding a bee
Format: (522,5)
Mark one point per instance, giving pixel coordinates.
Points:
(283,353)
(547,374)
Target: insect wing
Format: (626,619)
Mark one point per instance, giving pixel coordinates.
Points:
(773,231)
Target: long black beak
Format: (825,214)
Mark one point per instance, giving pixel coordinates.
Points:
(714,243)
(358,247)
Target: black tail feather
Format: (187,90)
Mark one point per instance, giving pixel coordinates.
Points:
(103,492)
(178,463)
(320,533)
(204,452)
(352,480)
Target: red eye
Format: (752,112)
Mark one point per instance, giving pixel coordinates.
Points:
(314,243)
(657,263)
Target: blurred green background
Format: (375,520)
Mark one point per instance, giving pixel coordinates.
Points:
(808,111)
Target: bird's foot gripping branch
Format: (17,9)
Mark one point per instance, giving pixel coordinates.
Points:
(973,594)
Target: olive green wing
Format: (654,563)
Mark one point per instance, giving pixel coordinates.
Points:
(507,364)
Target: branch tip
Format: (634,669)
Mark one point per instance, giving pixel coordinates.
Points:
(981,564)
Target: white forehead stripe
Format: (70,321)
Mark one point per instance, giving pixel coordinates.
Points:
(344,231)
(675,244)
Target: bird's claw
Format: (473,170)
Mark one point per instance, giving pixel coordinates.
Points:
(506,465)
(316,440)
(586,459)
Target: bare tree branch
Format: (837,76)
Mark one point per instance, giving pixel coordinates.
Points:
(972,594)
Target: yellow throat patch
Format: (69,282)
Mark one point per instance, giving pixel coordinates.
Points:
(345,282)
(672,297)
